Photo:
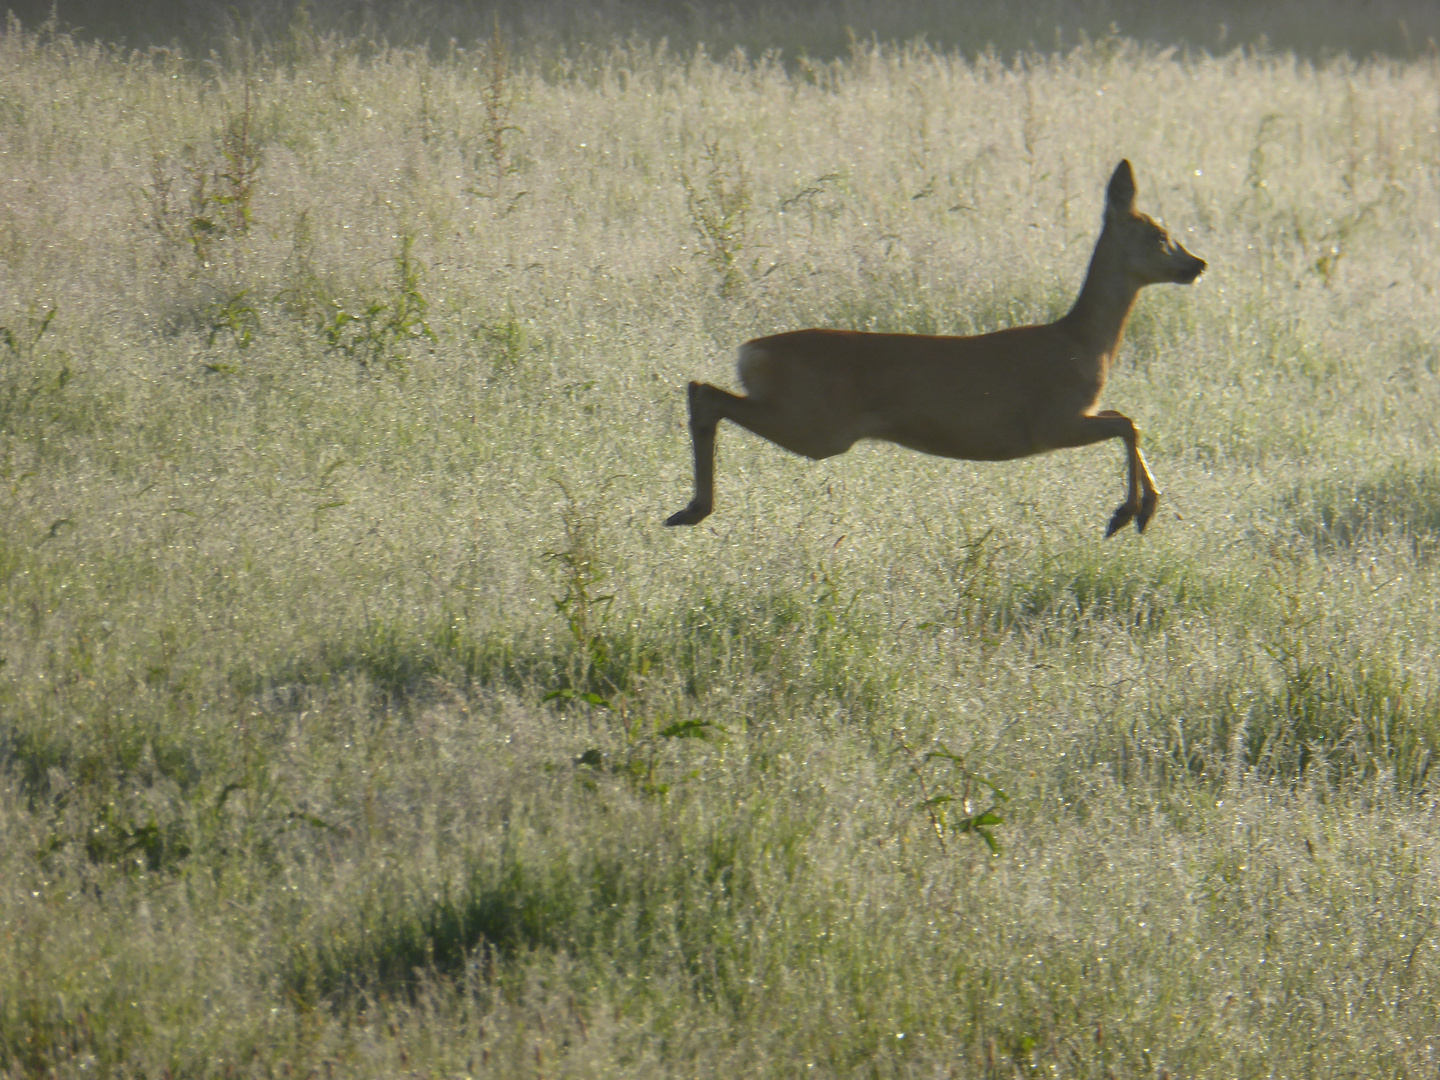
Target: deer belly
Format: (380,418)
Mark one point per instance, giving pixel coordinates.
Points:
(968,436)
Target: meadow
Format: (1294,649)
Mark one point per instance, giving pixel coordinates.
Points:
(358,717)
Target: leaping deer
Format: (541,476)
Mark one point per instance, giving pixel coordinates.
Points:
(990,397)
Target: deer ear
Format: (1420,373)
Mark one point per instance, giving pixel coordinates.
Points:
(1120,195)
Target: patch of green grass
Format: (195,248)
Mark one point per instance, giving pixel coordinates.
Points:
(1325,715)
(679,902)
(1083,587)
(1401,502)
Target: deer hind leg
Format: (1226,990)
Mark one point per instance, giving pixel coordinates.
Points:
(704,416)
(809,433)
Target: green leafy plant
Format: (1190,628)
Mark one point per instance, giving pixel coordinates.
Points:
(639,760)
(950,786)
(236,317)
(973,581)
(504,342)
(136,841)
(380,333)
(323,490)
(493,161)
(233,192)
(221,184)
(596,676)
(718,200)
(24,380)
(579,572)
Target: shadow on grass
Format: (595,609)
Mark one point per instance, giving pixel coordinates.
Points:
(395,940)
(398,659)
(645,886)
(1402,501)
(1085,585)
(812,642)
(1329,717)
(117,786)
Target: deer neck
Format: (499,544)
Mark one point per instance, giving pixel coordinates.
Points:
(1098,318)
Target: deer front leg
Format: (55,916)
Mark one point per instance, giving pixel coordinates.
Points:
(1141,494)
(703,420)
(1149,493)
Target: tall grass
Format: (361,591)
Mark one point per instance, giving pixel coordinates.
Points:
(358,717)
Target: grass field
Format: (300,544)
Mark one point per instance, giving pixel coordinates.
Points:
(359,718)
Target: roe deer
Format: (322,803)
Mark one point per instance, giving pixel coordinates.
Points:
(991,397)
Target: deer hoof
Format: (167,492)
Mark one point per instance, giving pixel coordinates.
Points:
(1123,513)
(691,515)
(1147,510)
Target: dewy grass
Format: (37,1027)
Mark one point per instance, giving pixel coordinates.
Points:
(1399,502)
(285,594)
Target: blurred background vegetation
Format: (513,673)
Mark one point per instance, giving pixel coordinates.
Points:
(822,29)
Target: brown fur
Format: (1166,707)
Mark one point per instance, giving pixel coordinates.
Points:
(990,397)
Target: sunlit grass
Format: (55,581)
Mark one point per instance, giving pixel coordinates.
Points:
(357,713)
